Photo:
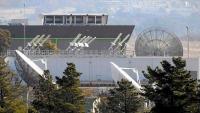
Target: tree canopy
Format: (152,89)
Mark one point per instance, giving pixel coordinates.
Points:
(69,95)
(122,99)
(171,87)
(5,39)
(44,95)
(49,45)
(10,99)
(64,97)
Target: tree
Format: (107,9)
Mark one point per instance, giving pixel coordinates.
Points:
(49,45)
(10,101)
(171,87)
(5,40)
(195,103)
(198,98)
(123,99)
(103,105)
(69,96)
(44,100)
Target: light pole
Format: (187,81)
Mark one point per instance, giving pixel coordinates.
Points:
(27,97)
(188,43)
(24,24)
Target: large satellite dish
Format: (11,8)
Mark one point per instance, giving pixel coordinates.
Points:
(158,42)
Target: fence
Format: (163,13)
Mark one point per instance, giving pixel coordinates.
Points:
(81,53)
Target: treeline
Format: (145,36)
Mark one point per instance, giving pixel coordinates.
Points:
(63,97)
(170,89)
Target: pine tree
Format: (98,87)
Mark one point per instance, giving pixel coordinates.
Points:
(49,45)
(5,39)
(198,98)
(195,103)
(123,99)
(69,96)
(103,105)
(44,98)
(10,101)
(171,87)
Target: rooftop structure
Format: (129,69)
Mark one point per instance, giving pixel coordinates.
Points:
(75,19)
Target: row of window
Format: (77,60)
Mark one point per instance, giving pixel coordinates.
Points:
(73,20)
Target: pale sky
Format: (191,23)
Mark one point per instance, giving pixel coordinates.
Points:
(174,15)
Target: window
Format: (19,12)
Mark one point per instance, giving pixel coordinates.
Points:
(98,20)
(49,19)
(67,19)
(73,19)
(58,19)
(91,19)
(79,19)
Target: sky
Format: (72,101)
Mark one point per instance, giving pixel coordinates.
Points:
(173,15)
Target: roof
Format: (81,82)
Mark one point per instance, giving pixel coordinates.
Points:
(70,31)
(74,14)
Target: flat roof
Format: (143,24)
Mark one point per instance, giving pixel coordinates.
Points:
(69,31)
(62,14)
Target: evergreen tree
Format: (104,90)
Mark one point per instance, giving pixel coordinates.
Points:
(103,105)
(5,39)
(10,101)
(44,100)
(69,95)
(49,45)
(195,103)
(123,99)
(171,87)
(198,98)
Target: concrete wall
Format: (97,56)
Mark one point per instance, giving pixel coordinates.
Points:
(95,68)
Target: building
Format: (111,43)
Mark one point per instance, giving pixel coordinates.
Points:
(96,67)
(75,19)
(64,28)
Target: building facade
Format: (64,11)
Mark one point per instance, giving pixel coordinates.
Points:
(63,35)
(75,19)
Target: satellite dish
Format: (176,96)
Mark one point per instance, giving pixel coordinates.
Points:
(158,42)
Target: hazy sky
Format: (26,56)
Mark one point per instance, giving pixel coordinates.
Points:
(171,14)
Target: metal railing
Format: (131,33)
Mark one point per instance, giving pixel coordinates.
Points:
(10,53)
(81,53)
(100,83)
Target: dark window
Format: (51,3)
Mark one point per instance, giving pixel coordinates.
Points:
(73,19)
(79,19)
(91,19)
(58,19)
(67,19)
(98,19)
(49,19)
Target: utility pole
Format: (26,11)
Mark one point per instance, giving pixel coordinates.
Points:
(28,88)
(24,23)
(188,41)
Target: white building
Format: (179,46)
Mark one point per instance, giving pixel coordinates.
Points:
(75,19)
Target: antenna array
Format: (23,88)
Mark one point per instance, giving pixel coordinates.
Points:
(117,44)
(79,43)
(37,42)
